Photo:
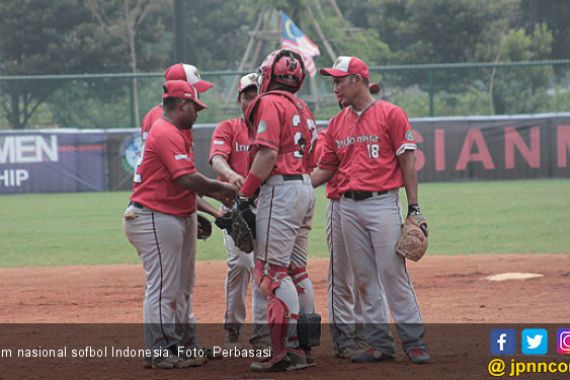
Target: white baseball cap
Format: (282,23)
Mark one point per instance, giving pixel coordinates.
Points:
(344,66)
(189,73)
(247,81)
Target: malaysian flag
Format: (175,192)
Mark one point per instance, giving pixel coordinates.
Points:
(293,38)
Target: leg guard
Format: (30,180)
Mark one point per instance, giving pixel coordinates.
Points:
(309,325)
(268,277)
(277,315)
(298,275)
(309,330)
(304,288)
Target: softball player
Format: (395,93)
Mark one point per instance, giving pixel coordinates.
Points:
(342,292)
(345,317)
(190,74)
(160,222)
(285,135)
(229,156)
(371,144)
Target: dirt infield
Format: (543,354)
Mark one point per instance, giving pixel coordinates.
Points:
(449,289)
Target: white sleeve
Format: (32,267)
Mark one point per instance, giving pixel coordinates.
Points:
(406,146)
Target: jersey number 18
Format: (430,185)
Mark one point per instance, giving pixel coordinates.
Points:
(373,150)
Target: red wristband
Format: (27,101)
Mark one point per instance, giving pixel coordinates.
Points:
(252,182)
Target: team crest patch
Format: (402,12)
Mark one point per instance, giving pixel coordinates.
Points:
(262,127)
(410,135)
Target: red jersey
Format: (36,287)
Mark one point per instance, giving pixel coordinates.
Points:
(364,148)
(332,184)
(151,116)
(231,139)
(281,125)
(168,154)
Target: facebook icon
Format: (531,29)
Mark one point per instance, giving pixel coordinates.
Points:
(503,342)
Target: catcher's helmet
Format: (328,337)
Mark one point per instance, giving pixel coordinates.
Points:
(282,66)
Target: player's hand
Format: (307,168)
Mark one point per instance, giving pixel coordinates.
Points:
(236,180)
(227,195)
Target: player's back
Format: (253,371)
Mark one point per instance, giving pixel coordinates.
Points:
(285,123)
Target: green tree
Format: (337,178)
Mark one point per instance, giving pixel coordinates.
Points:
(217,33)
(556,15)
(436,31)
(39,37)
(523,90)
(124,20)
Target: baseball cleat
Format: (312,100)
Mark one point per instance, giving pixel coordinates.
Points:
(192,362)
(309,357)
(418,356)
(203,352)
(294,360)
(371,356)
(232,339)
(209,352)
(171,362)
(351,351)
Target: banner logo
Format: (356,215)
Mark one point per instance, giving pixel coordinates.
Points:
(130,151)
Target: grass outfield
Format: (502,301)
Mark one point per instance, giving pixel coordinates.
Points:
(464,218)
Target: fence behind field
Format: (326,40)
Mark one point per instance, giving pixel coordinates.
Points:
(120,100)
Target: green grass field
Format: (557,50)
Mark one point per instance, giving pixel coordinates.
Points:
(464,218)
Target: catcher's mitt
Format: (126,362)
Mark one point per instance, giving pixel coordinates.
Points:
(204,227)
(240,225)
(413,242)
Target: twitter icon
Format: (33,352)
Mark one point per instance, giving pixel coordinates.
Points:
(534,341)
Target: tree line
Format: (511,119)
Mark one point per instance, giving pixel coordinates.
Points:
(39,37)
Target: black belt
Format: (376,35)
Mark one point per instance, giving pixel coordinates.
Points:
(292,177)
(361,195)
(136,204)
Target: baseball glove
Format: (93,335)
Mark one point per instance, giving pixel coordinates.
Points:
(413,242)
(204,227)
(240,225)
(225,222)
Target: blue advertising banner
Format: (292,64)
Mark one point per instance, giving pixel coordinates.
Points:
(449,149)
(52,161)
(123,150)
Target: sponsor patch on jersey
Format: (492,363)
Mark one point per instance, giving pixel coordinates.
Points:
(410,135)
(181,157)
(262,127)
(218,142)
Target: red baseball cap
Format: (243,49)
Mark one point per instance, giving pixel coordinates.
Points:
(182,90)
(189,73)
(344,66)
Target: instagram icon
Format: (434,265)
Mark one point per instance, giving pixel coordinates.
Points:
(563,341)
